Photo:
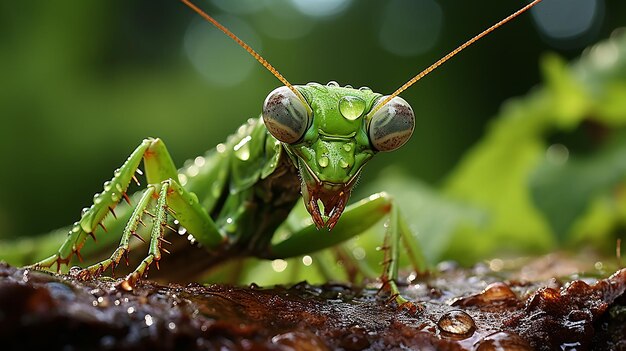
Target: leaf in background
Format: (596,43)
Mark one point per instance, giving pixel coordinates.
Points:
(496,173)
(433,217)
(563,191)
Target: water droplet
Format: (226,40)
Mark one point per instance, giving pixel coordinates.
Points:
(220,148)
(323,161)
(182,230)
(148,319)
(365,89)
(117,172)
(115,197)
(347,147)
(242,149)
(130,310)
(171,325)
(457,322)
(242,129)
(192,171)
(307,260)
(118,187)
(191,239)
(496,292)
(102,302)
(501,341)
(182,179)
(230,226)
(332,83)
(343,164)
(107,185)
(84,211)
(199,161)
(351,107)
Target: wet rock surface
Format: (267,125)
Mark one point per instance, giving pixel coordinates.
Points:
(463,310)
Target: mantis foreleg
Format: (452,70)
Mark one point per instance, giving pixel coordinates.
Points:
(171,197)
(105,202)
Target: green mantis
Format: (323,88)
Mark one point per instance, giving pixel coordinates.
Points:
(312,141)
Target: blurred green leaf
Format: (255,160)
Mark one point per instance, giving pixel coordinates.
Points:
(532,202)
(562,192)
(433,217)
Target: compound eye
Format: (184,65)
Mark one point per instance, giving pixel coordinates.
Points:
(391,125)
(285,115)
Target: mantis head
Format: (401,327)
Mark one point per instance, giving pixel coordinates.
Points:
(330,132)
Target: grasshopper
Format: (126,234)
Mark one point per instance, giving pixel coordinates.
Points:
(311,141)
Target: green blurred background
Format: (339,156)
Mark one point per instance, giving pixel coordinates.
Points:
(83,82)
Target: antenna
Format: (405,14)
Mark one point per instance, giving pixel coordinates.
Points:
(250,50)
(452,53)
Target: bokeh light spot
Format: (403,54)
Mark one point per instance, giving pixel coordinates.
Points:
(215,56)
(321,8)
(565,20)
(557,154)
(279,265)
(410,27)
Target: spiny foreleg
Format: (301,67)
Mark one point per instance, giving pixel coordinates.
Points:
(170,196)
(103,204)
(175,201)
(123,248)
(159,223)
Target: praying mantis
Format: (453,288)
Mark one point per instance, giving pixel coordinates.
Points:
(311,142)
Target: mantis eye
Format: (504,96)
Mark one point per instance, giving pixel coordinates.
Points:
(285,115)
(391,125)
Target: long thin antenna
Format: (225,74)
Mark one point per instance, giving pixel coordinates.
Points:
(247,47)
(452,53)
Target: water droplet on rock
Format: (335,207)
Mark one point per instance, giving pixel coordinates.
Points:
(457,322)
(497,292)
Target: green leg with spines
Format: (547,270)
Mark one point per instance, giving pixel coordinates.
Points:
(103,204)
(162,177)
(129,230)
(355,220)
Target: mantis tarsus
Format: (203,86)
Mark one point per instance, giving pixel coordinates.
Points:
(311,141)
